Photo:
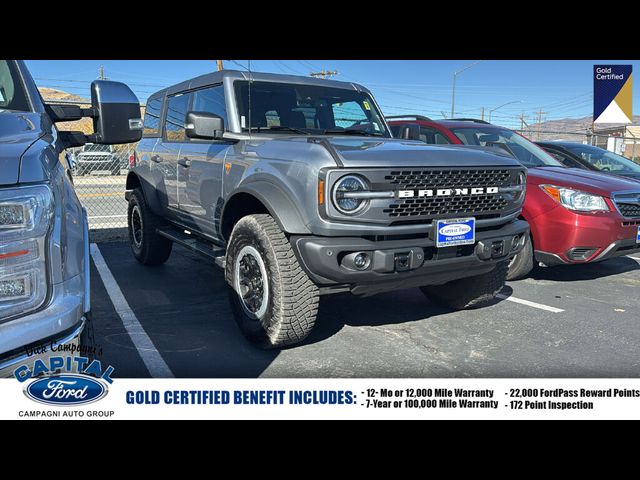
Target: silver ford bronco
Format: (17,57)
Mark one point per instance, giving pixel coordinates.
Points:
(296,187)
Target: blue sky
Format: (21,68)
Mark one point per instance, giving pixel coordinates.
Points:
(561,88)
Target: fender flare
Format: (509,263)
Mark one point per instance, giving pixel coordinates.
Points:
(142,176)
(277,202)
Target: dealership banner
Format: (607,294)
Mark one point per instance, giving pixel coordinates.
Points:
(62,398)
(612,94)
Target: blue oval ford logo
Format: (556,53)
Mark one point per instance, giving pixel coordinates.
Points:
(70,389)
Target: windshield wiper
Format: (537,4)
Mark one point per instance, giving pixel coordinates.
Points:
(280,128)
(352,131)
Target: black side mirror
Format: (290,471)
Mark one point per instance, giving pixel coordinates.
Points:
(410,132)
(204,125)
(116,113)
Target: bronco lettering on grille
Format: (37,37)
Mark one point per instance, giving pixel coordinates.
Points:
(447,192)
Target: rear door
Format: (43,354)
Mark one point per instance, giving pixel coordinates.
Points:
(201,166)
(167,151)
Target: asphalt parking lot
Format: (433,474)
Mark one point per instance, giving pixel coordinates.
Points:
(579,321)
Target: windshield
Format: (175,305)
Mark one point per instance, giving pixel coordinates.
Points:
(307,109)
(604,160)
(12,94)
(526,152)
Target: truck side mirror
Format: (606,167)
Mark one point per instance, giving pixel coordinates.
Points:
(116,113)
(204,125)
(410,132)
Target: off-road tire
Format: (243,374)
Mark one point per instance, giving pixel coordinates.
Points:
(522,263)
(471,292)
(152,248)
(292,298)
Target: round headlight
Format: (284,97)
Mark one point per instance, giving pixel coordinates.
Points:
(344,202)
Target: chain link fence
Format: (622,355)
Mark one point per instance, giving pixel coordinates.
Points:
(100,173)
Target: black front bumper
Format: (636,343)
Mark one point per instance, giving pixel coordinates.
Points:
(404,263)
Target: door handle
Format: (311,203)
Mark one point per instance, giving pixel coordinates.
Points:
(156,159)
(185,162)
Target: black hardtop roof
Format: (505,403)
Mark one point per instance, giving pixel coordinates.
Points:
(217,77)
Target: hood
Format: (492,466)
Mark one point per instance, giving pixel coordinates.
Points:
(18,130)
(586,180)
(632,175)
(385,152)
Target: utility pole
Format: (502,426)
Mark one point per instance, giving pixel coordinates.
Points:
(220,66)
(540,114)
(101,74)
(324,73)
(453,89)
(522,122)
(482,114)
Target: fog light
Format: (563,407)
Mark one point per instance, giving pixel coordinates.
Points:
(361,261)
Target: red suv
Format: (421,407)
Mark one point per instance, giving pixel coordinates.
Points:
(576,216)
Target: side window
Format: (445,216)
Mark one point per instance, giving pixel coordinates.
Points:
(433,136)
(176,113)
(152,118)
(210,100)
(565,160)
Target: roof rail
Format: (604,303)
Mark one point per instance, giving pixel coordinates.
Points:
(415,117)
(475,120)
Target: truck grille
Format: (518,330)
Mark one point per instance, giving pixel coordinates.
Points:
(628,210)
(628,204)
(449,178)
(483,205)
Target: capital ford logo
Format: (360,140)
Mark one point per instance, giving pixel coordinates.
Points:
(447,192)
(65,381)
(70,389)
(455,229)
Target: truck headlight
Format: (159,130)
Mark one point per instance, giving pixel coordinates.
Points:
(25,219)
(575,199)
(346,196)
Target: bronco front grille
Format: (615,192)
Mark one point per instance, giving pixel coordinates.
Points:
(480,205)
(628,204)
(449,178)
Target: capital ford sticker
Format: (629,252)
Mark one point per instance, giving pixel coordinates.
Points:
(65,381)
(459,231)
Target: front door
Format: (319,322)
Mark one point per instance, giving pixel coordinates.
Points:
(201,168)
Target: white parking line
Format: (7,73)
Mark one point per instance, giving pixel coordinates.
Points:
(108,216)
(530,304)
(150,356)
(635,258)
